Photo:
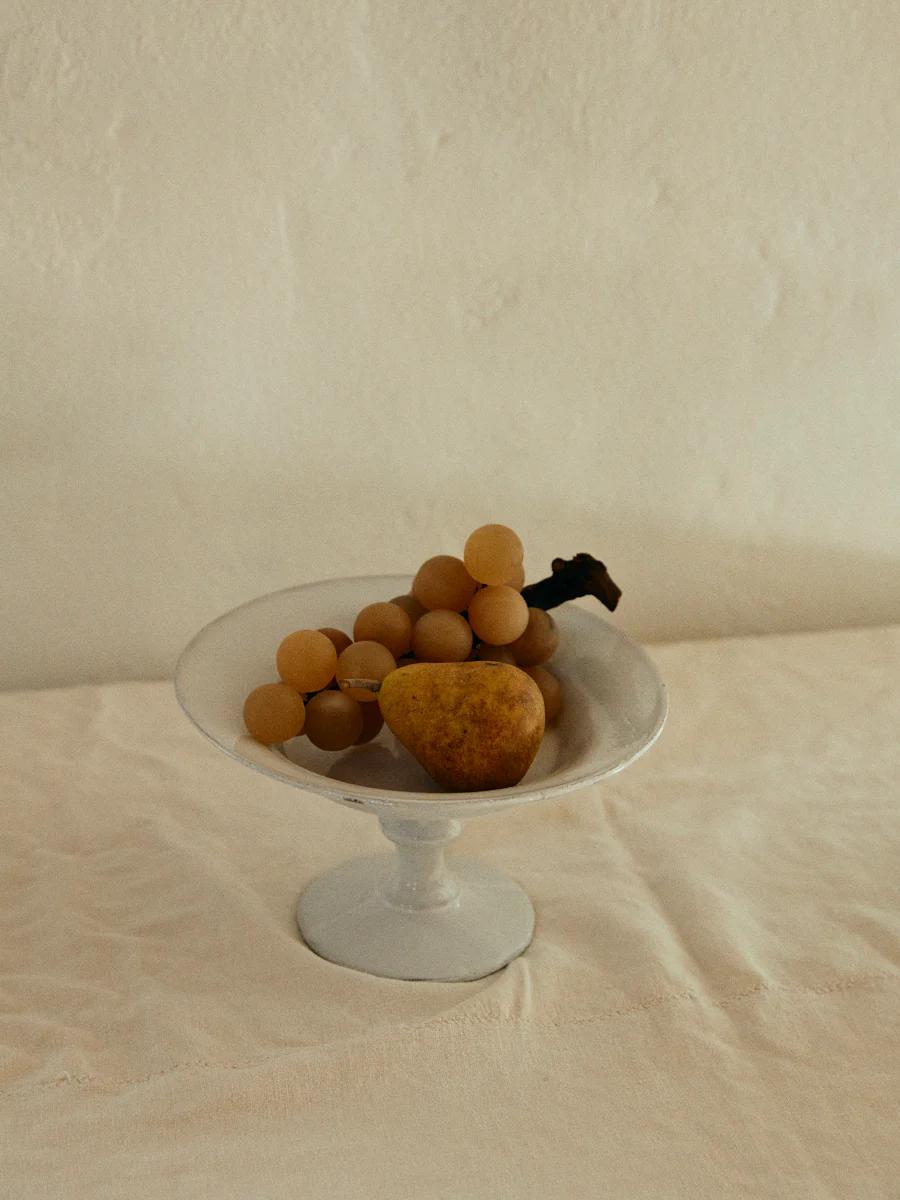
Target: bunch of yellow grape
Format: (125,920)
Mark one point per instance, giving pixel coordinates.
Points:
(458,609)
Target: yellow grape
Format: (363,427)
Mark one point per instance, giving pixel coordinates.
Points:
(517,579)
(498,614)
(334,721)
(492,554)
(442,636)
(551,690)
(410,606)
(274,713)
(372,721)
(364,660)
(502,654)
(306,660)
(444,582)
(387,623)
(538,642)
(337,637)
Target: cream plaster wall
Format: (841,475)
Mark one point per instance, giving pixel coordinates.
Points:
(295,289)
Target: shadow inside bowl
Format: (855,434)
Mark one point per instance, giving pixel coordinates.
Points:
(381,763)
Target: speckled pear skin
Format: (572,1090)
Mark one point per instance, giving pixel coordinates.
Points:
(473,725)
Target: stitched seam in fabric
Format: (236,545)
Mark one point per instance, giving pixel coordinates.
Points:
(98,1083)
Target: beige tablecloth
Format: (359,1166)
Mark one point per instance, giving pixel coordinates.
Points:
(710,1007)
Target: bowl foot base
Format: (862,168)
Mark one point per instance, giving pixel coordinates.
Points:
(346,916)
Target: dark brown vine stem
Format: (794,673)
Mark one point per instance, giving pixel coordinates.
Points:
(582,575)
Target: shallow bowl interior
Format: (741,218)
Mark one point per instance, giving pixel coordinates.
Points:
(614,705)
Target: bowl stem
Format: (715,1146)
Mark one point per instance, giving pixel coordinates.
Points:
(420,878)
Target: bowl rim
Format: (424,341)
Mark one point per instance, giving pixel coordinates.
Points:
(363,795)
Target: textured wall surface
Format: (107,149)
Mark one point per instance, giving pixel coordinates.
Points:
(296,289)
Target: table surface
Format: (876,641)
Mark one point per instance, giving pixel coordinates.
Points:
(709,1007)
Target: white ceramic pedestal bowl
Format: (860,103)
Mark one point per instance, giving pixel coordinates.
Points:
(411,913)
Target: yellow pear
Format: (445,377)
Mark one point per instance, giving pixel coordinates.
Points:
(472,725)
